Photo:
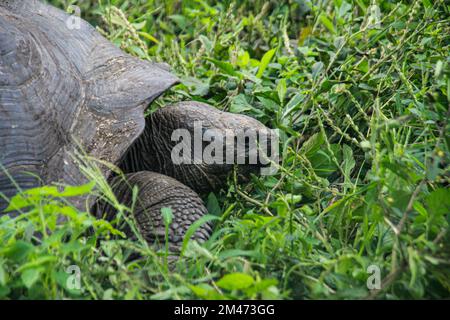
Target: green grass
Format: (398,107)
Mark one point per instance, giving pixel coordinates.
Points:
(362,104)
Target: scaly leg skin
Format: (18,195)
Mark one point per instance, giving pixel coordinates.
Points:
(157,191)
(152,151)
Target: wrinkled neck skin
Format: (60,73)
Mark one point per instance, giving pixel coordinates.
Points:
(152,152)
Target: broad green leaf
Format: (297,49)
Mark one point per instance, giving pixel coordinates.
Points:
(363,65)
(226,67)
(28,197)
(205,291)
(239,104)
(30,276)
(438,202)
(293,104)
(235,281)
(412,259)
(312,145)
(349,161)
(18,251)
(213,205)
(243,59)
(316,69)
(139,25)
(426,3)
(73,191)
(206,42)
(327,23)
(281,90)
(19,201)
(36,263)
(180,20)
(196,86)
(265,62)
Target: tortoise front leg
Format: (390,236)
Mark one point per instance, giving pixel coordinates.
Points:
(155,192)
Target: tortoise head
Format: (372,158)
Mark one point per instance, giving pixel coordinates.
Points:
(200,145)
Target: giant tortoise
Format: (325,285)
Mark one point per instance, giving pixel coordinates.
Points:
(65,89)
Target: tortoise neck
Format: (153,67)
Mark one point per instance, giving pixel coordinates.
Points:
(143,154)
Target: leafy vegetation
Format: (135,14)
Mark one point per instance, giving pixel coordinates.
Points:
(360,93)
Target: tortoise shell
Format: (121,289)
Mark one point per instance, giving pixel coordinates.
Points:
(62,88)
